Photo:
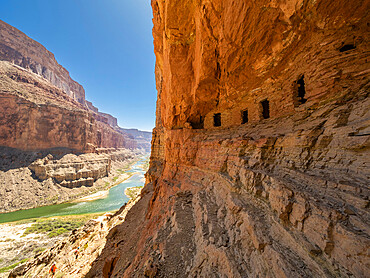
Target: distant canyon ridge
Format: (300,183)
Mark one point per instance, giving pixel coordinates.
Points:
(43,107)
(55,146)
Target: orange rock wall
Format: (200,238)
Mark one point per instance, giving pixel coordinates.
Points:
(225,56)
(42,107)
(35,115)
(283,195)
(17,48)
(27,126)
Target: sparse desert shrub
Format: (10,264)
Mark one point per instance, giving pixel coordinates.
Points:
(10,267)
(39,250)
(53,227)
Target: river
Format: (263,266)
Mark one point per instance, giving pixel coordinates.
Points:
(115,199)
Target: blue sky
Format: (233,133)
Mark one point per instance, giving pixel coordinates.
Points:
(106,45)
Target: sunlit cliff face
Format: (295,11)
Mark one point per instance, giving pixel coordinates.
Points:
(42,107)
(258,163)
(226,57)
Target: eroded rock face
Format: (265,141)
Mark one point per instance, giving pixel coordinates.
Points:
(259,163)
(141,138)
(36,115)
(72,170)
(17,48)
(42,107)
(75,171)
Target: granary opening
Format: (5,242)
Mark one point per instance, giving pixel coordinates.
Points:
(198,124)
(265,109)
(300,91)
(245,116)
(217,119)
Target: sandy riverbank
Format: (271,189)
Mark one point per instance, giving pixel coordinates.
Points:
(96,196)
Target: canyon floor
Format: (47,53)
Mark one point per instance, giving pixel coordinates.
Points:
(89,240)
(27,241)
(24,240)
(17,245)
(20,169)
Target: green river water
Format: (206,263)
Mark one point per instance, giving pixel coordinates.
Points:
(115,199)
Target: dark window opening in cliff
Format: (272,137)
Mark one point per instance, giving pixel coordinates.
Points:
(217,119)
(198,124)
(245,116)
(300,91)
(265,109)
(347,47)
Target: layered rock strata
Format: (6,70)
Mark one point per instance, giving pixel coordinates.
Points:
(259,163)
(42,107)
(19,49)
(36,115)
(141,138)
(71,170)
(27,181)
(42,111)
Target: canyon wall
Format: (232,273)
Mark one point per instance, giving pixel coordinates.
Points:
(142,138)
(71,171)
(259,164)
(17,48)
(35,114)
(42,107)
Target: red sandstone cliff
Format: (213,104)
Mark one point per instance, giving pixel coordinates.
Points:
(34,115)
(17,48)
(260,156)
(42,107)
